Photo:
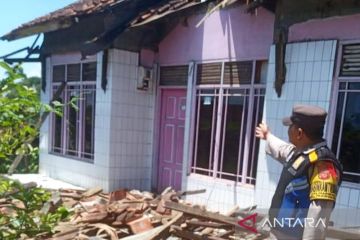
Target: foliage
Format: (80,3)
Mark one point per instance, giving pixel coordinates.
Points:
(27,217)
(33,82)
(20,109)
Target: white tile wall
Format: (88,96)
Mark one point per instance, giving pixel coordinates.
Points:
(71,170)
(347,209)
(123,131)
(131,125)
(221,195)
(308,81)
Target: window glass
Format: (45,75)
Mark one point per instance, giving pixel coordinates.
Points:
(208,73)
(354,85)
(235,114)
(255,142)
(205,122)
(174,75)
(89,71)
(338,120)
(73,72)
(72,121)
(350,61)
(261,71)
(59,73)
(73,132)
(342,85)
(89,115)
(226,116)
(57,126)
(238,72)
(347,137)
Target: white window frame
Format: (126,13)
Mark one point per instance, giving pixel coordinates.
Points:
(81,124)
(334,101)
(221,89)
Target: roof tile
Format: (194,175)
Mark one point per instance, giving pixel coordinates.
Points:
(75,9)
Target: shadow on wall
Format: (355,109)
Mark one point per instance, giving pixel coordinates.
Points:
(182,45)
(227,34)
(248,37)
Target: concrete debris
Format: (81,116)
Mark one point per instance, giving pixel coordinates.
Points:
(135,215)
(132,214)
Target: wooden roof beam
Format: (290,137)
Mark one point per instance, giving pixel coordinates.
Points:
(39,28)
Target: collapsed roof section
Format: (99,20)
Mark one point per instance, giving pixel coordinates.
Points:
(93,25)
(61,18)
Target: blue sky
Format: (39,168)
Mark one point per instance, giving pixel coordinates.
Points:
(16,12)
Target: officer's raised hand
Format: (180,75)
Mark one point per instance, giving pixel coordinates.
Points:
(262,131)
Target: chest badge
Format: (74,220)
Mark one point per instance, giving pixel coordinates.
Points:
(298,162)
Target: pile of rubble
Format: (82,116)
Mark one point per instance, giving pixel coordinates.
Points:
(135,215)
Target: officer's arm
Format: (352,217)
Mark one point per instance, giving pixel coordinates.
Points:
(323,181)
(277,148)
(317,219)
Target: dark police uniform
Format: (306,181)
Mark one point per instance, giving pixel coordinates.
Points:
(308,183)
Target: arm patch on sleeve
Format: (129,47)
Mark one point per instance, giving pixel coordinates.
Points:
(323,182)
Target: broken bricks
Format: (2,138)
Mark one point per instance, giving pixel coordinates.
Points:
(132,213)
(135,215)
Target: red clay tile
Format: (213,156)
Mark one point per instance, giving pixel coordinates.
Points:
(140,225)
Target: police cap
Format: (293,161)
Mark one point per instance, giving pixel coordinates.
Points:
(306,117)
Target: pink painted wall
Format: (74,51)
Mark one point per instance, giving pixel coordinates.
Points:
(147,58)
(341,28)
(226,34)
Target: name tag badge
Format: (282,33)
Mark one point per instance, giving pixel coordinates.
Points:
(298,162)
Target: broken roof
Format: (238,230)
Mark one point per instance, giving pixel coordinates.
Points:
(67,16)
(61,18)
(163,9)
(133,24)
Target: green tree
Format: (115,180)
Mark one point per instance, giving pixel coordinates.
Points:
(33,82)
(21,115)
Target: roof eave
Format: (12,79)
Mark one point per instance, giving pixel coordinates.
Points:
(37,29)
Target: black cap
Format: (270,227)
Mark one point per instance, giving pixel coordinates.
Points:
(306,117)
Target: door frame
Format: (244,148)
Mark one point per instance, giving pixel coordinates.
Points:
(157,125)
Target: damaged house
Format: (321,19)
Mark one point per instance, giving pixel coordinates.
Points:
(171,92)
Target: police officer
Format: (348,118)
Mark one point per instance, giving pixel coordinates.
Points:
(310,178)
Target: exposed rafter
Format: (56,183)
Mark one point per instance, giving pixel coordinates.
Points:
(33,49)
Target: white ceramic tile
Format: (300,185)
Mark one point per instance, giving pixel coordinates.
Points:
(291,72)
(272,55)
(314,94)
(334,50)
(302,52)
(299,91)
(354,198)
(319,48)
(133,73)
(316,71)
(295,52)
(323,91)
(292,91)
(308,71)
(288,53)
(331,71)
(310,53)
(327,51)
(271,73)
(325,71)
(344,196)
(262,179)
(358,206)
(285,91)
(300,73)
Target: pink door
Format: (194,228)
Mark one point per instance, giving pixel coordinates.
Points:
(173,102)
